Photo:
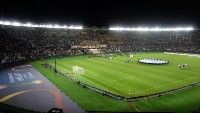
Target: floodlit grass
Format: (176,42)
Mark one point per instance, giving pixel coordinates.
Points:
(119,77)
(184,101)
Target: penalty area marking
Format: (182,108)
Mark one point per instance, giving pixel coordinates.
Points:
(113,69)
(108,85)
(121,79)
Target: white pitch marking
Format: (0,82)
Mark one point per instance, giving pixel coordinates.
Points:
(108,85)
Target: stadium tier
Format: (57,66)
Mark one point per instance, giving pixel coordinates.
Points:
(19,44)
(22,43)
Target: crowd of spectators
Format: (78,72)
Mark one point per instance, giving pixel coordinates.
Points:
(26,44)
(23,44)
(159,41)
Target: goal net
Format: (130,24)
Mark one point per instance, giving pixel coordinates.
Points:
(77,70)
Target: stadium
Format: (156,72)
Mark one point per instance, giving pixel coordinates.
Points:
(127,67)
(73,68)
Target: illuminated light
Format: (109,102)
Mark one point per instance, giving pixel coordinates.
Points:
(56,26)
(178,29)
(27,25)
(71,27)
(156,29)
(121,29)
(64,27)
(75,27)
(78,27)
(7,23)
(151,29)
(112,28)
(1,22)
(35,25)
(130,29)
(191,28)
(48,26)
(142,29)
(16,24)
(167,29)
(41,25)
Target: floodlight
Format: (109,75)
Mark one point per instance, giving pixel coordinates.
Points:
(49,26)
(142,29)
(151,29)
(27,25)
(7,23)
(111,28)
(78,27)
(188,28)
(122,29)
(41,25)
(166,29)
(35,25)
(130,29)
(71,27)
(56,26)
(114,28)
(63,27)
(16,24)
(156,29)
(1,22)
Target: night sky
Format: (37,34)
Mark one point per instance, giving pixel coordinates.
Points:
(104,13)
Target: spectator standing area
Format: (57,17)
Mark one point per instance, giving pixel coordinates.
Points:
(23,86)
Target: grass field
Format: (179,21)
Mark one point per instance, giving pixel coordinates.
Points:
(133,79)
(181,102)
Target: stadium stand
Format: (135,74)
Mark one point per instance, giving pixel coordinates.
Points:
(20,44)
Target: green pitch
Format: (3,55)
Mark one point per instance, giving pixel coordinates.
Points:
(132,79)
(184,101)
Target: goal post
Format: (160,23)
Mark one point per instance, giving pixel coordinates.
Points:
(78,70)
